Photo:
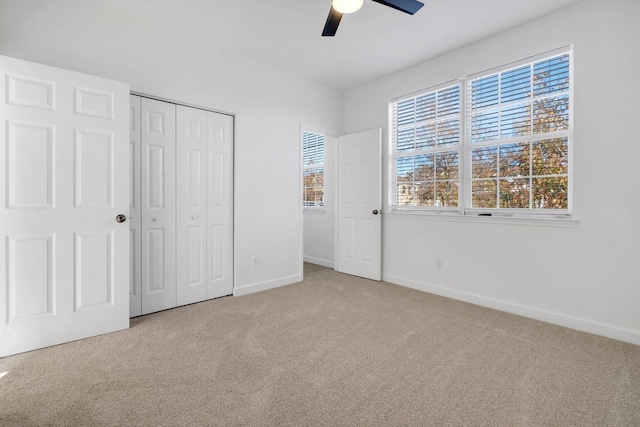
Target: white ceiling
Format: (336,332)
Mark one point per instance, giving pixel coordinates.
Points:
(370,43)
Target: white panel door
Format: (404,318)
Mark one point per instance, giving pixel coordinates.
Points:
(64,259)
(359,204)
(191,204)
(158,181)
(135,213)
(220,205)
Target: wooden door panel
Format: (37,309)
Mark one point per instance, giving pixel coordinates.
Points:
(158,182)
(220,205)
(64,260)
(359,196)
(192,206)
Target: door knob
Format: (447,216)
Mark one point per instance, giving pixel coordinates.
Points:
(155,219)
(121,218)
(375,212)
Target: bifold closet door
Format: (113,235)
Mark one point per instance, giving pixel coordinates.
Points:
(158,184)
(135,216)
(192,204)
(219,205)
(205,205)
(181,207)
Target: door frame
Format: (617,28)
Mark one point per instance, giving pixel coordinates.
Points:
(333,163)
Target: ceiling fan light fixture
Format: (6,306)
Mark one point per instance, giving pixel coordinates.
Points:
(340,7)
(347,6)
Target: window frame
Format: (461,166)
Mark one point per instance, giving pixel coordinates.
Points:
(393,154)
(465,178)
(321,165)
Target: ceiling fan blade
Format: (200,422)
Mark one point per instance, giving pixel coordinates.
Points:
(407,6)
(331,26)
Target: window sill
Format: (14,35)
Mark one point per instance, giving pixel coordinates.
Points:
(313,211)
(495,219)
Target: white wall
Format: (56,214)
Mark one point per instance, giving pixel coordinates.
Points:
(270,104)
(319,223)
(586,277)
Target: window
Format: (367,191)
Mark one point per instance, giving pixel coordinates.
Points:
(513,156)
(313,169)
(426,148)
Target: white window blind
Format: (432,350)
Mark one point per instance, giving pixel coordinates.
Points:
(313,169)
(426,137)
(519,136)
(503,148)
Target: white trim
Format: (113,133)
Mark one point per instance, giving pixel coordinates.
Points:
(584,325)
(336,241)
(534,221)
(266,285)
(300,202)
(571,123)
(171,101)
(318,261)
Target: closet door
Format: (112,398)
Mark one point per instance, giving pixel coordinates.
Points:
(135,216)
(191,204)
(220,205)
(158,205)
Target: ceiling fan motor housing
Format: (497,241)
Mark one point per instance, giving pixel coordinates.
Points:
(340,7)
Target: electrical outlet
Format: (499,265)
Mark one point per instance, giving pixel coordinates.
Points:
(255,261)
(439,264)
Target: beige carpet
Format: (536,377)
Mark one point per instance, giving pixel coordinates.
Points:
(334,350)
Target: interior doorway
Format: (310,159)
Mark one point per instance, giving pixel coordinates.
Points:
(318,195)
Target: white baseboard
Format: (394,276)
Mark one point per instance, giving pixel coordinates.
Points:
(318,261)
(263,286)
(584,325)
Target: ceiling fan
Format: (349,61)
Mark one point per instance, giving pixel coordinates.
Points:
(341,7)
